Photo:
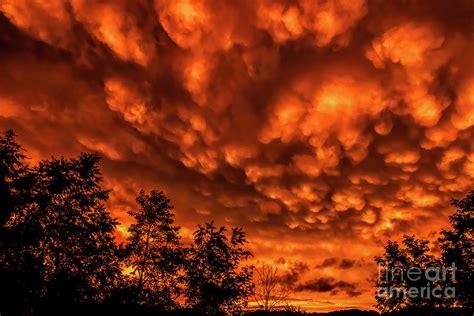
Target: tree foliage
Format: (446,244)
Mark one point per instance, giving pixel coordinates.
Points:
(457,248)
(57,238)
(454,267)
(154,252)
(217,281)
(13,170)
(394,267)
(17,276)
(73,229)
(58,247)
(71,233)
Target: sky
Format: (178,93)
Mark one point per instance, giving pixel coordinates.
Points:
(323,128)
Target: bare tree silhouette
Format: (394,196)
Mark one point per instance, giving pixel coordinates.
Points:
(270,293)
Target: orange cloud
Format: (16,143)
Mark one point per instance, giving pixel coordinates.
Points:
(44,19)
(114,25)
(322,20)
(323,128)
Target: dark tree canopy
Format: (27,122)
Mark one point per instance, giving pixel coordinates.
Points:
(17,276)
(71,229)
(457,248)
(393,267)
(217,281)
(154,252)
(57,238)
(455,266)
(13,170)
(58,247)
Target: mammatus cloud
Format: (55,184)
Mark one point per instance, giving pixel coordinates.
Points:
(322,127)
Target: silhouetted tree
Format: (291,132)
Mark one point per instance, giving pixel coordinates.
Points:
(70,232)
(394,268)
(12,170)
(270,293)
(457,248)
(217,283)
(154,252)
(18,272)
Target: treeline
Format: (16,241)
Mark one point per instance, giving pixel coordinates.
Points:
(413,280)
(58,253)
(350,312)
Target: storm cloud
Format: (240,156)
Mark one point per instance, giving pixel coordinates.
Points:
(323,128)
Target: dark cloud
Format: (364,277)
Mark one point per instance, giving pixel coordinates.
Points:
(347,263)
(329,285)
(293,273)
(337,262)
(328,262)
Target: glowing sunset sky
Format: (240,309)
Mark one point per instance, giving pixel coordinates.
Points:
(323,128)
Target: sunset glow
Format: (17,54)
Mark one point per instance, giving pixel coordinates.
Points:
(322,128)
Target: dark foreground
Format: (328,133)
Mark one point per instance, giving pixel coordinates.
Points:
(135,311)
